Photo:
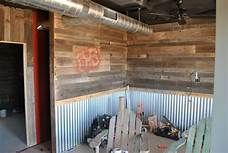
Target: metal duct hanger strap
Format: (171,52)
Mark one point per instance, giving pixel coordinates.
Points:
(87,8)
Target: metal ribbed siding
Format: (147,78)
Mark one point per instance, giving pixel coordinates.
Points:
(182,110)
(73,120)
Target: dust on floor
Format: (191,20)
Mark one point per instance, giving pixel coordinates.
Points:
(12,133)
(154,143)
(41,148)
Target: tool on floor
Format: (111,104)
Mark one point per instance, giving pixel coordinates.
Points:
(162,146)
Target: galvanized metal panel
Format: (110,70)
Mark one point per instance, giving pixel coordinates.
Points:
(73,120)
(182,110)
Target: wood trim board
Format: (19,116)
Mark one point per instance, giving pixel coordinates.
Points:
(29,97)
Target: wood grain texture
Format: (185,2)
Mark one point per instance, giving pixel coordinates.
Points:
(16,27)
(191,139)
(111,133)
(207,138)
(91,42)
(199,139)
(166,59)
(52,84)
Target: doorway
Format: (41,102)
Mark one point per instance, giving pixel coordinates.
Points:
(12,98)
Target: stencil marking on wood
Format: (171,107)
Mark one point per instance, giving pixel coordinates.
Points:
(86,58)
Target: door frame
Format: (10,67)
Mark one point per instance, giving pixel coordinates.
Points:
(30,120)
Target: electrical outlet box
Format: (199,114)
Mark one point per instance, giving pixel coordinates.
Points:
(164,77)
(142,55)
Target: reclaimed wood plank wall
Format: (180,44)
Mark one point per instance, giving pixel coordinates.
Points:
(90,44)
(16,27)
(166,59)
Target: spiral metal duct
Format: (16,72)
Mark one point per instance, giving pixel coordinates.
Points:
(87,8)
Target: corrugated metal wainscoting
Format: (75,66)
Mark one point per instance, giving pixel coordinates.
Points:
(182,109)
(73,120)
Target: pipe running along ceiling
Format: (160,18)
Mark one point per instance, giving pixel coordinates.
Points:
(87,8)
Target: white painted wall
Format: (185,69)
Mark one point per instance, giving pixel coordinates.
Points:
(220,114)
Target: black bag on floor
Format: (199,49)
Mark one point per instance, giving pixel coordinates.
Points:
(167,130)
(100,123)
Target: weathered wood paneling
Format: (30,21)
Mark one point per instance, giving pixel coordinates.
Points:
(166,59)
(16,27)
(87,58)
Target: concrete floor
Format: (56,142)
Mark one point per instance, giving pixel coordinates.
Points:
(12,133)
(41,148)
(154,143)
